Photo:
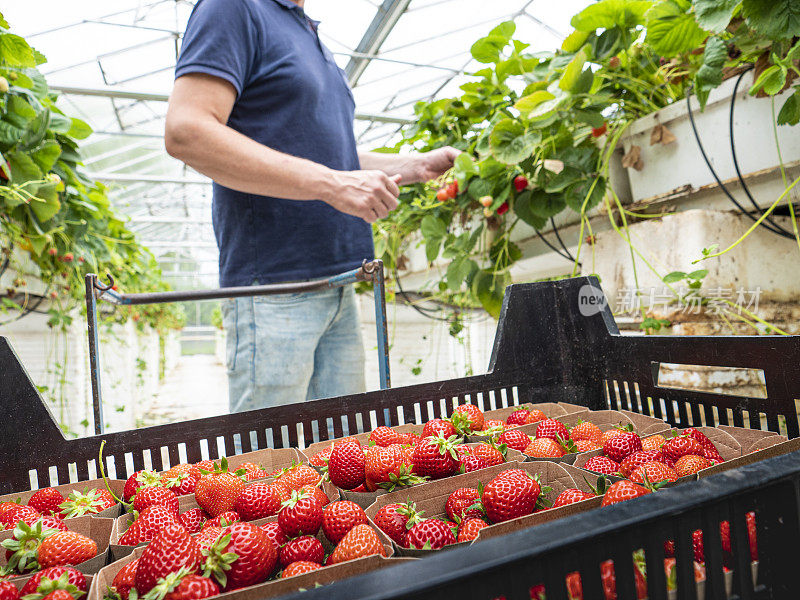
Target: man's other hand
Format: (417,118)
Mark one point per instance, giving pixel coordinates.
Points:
(371,195)
(431,165)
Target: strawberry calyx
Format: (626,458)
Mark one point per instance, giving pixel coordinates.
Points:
(216,561)
(568,445)
(295,498)
(78,504)
(48,586)
(403,478)
(222,468)
(409,510)
(446,445)
(171,482)
(167,584)
(24,546)
(603,483)
(502,448)
(461,423)
(626,427)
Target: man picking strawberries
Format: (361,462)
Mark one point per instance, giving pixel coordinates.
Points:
(260,107)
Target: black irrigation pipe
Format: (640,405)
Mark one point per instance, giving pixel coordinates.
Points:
(552,247)
(24,313)
(736,160)
(425,312)
(560,241)
(713,171)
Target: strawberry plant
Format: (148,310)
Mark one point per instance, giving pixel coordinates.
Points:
(538,130)
(50,211)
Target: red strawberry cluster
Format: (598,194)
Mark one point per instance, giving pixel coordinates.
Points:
(654,459)
(511,494)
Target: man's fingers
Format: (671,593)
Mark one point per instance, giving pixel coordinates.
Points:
(391,184)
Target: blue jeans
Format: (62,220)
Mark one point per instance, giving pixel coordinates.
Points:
(290,348)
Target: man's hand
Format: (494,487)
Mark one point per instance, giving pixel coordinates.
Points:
(431,165)
(370,195)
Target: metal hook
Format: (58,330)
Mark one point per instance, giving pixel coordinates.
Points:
(102,287)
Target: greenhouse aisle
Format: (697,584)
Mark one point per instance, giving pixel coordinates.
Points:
(196,387)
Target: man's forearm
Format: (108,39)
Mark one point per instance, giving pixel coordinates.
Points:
(392,164)
(240,163)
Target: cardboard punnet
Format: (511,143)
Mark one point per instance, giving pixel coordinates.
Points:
(121,524)
(270,589)
(97,528)
(365,499)
(432,497)
(550,409)
(116,485)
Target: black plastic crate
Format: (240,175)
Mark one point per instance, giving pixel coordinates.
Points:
(555,341)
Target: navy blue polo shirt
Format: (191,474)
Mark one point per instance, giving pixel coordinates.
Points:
(292,97)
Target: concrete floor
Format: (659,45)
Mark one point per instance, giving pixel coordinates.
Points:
(197,387)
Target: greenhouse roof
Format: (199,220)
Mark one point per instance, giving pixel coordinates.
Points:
(114,69)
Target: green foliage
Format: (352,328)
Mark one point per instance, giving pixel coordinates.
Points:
(49,209)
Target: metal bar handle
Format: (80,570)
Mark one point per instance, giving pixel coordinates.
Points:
(95,290)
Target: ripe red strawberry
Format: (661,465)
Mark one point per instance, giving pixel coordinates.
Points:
(297,476)
(691,464)
(384,436)
(681,446)
(436,427)
(53,522)
(155,494)
(467,418)
(544,448)
(488,454)
(217,489)
(515,439)
(149,523)
(8,591)
(47,501)
(621,446)
(22,549)
(304,547)
(17,513)
(430,534)
(193,519)
(459,503)
(570,496)
(6,506)
(637,459)
(204,465)
(396,519)
(517,417)
(360,541)
(223,520)
(586,446)
(621,491)
(299,568)
(550,428)
(340,517)
(602,464)
(469,462)
(125,579)
(257,500)
(207,537)
(274,534)
(138,480)
(653,442)
(183,585)
(520,183)
(320,459)
(469,529)
(74,577)
(181,483)
(66,548)
(385,467)
(709,450)
(57,588)
(58,594)
(90,502)
(317,492)
(585,430)
(346,465)
(171,549)
(510,495)
(654,471)
(300,515)
(436,457)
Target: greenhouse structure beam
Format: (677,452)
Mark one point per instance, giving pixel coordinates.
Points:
(153,97)
(378,30)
